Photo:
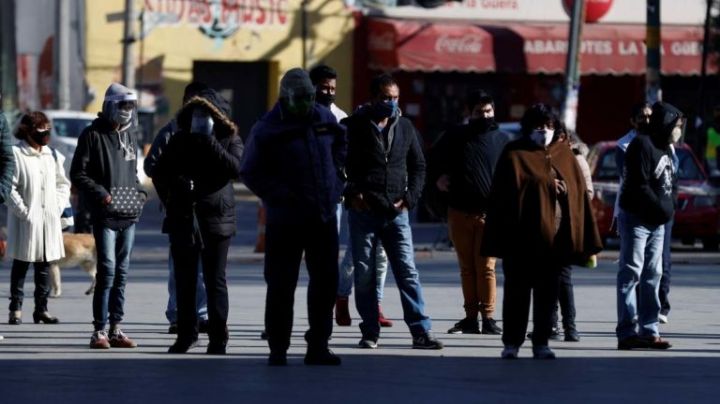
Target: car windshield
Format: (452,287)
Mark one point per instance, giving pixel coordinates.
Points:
(688,167)
(70,127)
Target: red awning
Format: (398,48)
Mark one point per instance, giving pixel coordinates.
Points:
(422,46)
(606,49)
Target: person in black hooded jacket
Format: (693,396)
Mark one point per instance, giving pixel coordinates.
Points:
(193,178)
(647,202)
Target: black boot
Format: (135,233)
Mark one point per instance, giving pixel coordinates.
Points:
(321,357)
(44,317)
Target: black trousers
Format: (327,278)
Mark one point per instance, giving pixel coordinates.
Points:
(523,278)
(566,298)
(17,284)
(284,247)
(213,257)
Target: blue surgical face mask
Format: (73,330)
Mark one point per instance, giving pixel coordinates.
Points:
(385,109)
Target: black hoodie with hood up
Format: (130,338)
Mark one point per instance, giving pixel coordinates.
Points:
(193,176)
(648,189)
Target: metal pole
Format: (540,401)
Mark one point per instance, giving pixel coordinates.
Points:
(8,57)
(703,66)
(653,37)
(128,63)
(62,45)
(572,66)
(304,31)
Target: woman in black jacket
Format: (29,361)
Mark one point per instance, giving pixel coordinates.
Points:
(193,179)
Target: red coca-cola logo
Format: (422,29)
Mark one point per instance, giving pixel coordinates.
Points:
(463,44)
(384,41)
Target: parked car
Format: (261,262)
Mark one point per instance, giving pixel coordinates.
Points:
(697,214)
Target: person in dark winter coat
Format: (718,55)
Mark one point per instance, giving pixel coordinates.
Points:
(104,169)
(647,204)
(293,162)
(193,177)
(539,220)
(386,173)
(466,158)
(156,150)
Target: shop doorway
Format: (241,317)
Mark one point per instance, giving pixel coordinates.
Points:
(243,84)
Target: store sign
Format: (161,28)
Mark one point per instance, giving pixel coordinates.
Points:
(217,19)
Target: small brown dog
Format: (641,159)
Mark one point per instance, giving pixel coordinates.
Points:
(79,251)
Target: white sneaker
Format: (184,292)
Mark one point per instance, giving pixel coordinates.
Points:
(510,352)
(662,318)
(543,352)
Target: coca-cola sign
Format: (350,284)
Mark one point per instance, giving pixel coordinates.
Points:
(471,44)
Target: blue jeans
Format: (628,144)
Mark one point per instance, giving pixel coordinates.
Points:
(641,247)
(345,279)
(113,261)
(367,231)
(200,295)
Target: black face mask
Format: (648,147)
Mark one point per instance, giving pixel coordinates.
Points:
(41,138)
(382,110)
(325,99)
(481,124)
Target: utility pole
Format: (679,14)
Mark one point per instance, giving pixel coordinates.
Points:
(62,55)
(128,62)
(304,31)
(700,113)
(652,39)
(572,66)
(8,57)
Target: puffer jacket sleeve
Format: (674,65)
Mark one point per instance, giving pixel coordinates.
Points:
(7,160)
(229,159)
(157,148)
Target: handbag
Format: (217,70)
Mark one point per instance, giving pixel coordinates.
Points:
(126,202)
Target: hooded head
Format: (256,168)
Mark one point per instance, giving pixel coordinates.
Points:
(120,106)
(297,93)
(206,113)
(538,124)
(666,123)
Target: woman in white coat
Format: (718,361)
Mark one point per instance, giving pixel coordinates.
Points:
(39,192)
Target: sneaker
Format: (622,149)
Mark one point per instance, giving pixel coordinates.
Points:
(277,359)
(173,328)
(510,352)
(426,341)
(384,321)
(99,340)
(543,352)
(655,343)
(368,343)
(465,326)
(663,318)
(322,357)
(489,326)
(118,339)
(182,346)
(571,335)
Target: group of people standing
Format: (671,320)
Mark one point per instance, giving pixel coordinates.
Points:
(522,198)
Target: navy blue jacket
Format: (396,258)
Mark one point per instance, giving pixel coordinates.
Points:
(295,165)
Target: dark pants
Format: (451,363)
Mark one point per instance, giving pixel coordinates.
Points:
(566,298)
(17,283)
(539,278)
(285,244)
(664,290)
(213,256)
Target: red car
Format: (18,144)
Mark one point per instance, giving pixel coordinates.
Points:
(697,214)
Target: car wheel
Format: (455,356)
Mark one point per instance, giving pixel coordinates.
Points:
(711,243)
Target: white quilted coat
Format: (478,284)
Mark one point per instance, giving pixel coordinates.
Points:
(40,191)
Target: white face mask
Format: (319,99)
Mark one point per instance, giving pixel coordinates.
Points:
(202,123)
(676,134)
(123,117)
(543,137)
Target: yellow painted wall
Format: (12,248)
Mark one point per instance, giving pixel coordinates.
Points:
(330,41)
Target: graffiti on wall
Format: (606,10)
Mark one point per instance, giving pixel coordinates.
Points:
(217,19)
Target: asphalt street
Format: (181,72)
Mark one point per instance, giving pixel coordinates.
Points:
(52,363)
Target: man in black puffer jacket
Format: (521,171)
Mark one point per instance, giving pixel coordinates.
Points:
(193,178)
(386,172)
(647,202)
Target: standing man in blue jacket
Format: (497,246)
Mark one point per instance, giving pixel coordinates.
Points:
(292,162)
